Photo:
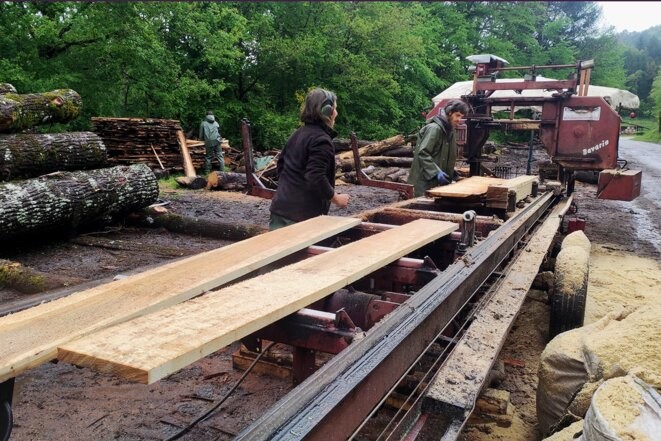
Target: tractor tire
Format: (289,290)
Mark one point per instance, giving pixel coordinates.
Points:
(6,421)
(570,291)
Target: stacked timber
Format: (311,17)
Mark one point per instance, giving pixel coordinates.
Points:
(145,140)
(71,199)
(26,155)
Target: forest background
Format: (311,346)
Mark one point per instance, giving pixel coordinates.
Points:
(257,60)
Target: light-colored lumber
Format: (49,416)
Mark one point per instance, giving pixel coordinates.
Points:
(497,194)
(189,170)
(457,384)
(475,186)
(151,347)
(30,338)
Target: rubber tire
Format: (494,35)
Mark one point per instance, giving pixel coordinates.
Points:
(568,309)
(6,421)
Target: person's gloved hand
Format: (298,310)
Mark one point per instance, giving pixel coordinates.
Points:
(442,178)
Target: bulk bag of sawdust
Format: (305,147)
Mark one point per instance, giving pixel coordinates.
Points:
(623,409)
(628,346)
(562,373)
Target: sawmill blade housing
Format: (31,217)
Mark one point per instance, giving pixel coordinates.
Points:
(578,124)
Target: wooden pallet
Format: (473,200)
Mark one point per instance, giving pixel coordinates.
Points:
(151,347)
(30,338)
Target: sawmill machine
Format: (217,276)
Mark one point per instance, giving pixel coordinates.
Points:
(580,132)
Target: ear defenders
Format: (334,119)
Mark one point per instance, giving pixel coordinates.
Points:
(327,105)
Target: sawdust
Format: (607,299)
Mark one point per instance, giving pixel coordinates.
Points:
(571,268)
(631,345)
(569,433)
(619,279)
(577,239)
(618,402)
(519,430)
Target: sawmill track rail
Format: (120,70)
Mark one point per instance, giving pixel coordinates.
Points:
(352,383)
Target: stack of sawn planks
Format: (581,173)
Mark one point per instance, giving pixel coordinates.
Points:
(144,327)
(496,192)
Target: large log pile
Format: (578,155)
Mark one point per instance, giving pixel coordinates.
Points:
(148,141)
(386,160)
(26,155)
(71,199)
(19,112)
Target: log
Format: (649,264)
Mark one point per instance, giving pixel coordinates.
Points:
(374,149)
(226,181)
(387,161)
(201,227)
(30,281)
(26,155)
(194,182)
(70,199)
(18,112)
(7,88)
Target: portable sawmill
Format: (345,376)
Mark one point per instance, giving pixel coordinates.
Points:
(389,296)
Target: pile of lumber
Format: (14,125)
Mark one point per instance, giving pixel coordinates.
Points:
(496,192)
(145,140)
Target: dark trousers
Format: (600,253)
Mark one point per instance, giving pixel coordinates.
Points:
(212,151)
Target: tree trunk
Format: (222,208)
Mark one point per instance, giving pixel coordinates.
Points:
(26,155)
(375,148)
(70,199)
(7,88)
(387,161)
(202,227)
(226,181)
(18,112)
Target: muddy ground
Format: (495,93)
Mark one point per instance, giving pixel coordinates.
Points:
(62,402)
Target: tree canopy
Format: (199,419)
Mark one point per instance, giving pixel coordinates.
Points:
(257,60)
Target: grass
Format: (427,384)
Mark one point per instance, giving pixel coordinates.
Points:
(651,126)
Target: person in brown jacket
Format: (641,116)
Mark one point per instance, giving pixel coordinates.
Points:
(306,166)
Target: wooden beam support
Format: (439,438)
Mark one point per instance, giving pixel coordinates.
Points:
(151,347)
(30,337)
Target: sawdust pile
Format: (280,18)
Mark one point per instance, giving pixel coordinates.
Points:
(577,239)
(631,345)
(571,270)
(620,280)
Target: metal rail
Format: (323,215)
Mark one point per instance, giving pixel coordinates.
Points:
(348,387)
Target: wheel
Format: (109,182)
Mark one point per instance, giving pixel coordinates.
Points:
(6,421)
(570,290)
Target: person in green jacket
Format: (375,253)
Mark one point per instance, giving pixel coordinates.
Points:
(436,149)
(210,134)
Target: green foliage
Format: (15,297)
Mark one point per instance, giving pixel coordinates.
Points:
(256,60)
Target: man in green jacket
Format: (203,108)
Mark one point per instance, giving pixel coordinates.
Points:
(210,134)
(436,149)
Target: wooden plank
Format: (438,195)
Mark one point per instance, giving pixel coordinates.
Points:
(475,186)
(457,384)
(30,338)
(151,347)
(497,194)
(189,170)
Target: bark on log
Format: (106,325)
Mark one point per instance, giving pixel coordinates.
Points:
(7,88)
(387,161)
(226,181)
(194,182)
(18,112)
(375,148)
(201,227)
(29,281)
(25,155)
(70,199)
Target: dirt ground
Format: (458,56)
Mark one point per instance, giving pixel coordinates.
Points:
(62,402)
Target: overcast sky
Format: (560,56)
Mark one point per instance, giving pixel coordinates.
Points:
(631,16)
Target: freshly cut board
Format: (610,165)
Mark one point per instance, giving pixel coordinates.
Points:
(30,338)
(151,347)
(474,186)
